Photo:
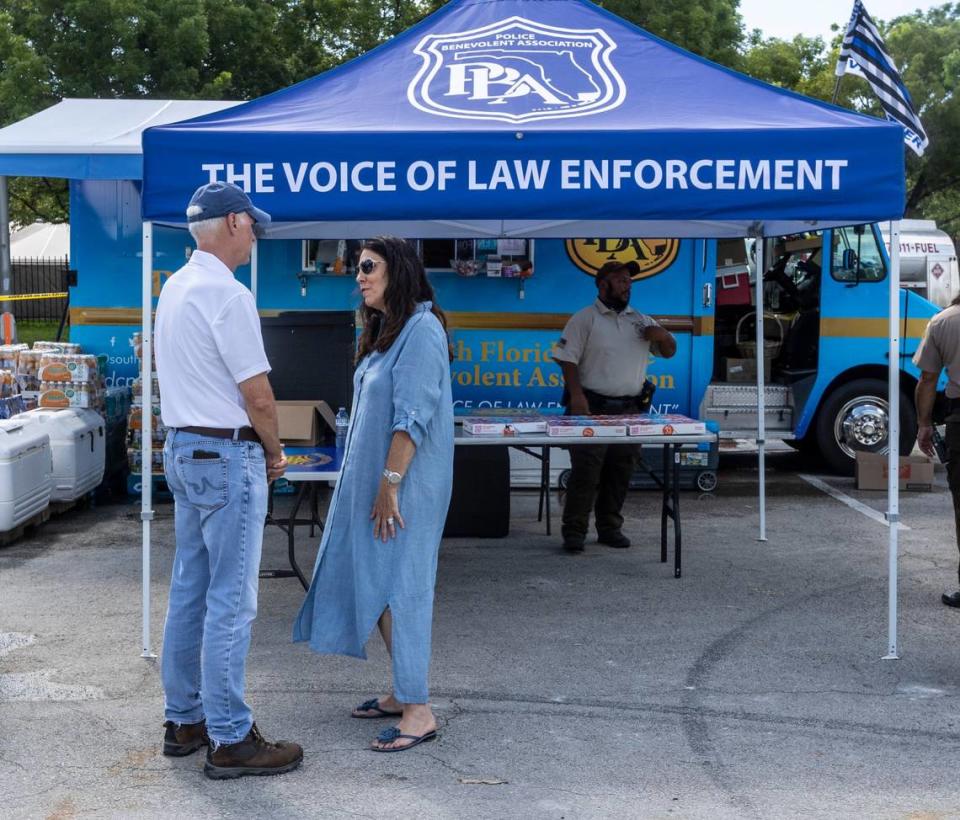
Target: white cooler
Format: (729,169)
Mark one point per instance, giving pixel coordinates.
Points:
(78,443)
(25,466)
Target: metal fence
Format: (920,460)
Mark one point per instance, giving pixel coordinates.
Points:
(35,276)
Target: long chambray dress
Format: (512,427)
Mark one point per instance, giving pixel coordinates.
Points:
(357,576)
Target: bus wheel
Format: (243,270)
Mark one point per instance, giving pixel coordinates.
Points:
(563,479)
(856,417)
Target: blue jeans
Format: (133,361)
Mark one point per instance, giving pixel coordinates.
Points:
(220,507)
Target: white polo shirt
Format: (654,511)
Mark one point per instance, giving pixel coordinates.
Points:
(208,340)
(608,348)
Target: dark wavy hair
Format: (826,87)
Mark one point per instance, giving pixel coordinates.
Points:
(407,284)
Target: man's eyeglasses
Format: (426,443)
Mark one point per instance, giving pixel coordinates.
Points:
(367,266)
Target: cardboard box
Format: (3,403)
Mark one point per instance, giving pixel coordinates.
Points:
(301,421)
(810,243)
(490,426)
(670,424)
(745,370)
(916,472)
(570,427)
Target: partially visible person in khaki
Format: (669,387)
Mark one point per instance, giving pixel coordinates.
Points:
(940,349)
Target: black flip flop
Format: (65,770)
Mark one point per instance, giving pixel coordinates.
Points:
(393,733)
(373,705)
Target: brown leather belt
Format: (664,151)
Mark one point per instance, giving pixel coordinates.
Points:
(244,433)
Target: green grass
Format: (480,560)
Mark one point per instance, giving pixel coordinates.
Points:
(30,331)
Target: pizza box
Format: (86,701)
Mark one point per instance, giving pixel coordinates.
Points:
(504,425)
(669,424)
(588,426)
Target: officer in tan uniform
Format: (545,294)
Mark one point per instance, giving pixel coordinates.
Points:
(940,349)
(603,354)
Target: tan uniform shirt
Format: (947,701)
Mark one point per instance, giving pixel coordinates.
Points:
(608,348)
(940,348)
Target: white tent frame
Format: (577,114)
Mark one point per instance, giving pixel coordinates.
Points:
(893,387)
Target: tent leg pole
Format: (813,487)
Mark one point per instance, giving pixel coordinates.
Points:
(893,458)
(146,420)
(6,268)
(761,397)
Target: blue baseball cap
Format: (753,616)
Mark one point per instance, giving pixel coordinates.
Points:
(216,199)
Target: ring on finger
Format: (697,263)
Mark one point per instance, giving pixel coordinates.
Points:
(390,521)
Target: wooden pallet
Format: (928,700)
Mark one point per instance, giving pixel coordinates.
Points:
(27,527)
(61,507)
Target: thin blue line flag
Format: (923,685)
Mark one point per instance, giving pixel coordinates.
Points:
(864,54)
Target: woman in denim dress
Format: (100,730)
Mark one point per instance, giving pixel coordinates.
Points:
(378,556)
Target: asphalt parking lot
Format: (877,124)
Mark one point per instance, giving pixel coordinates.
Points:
(595,685)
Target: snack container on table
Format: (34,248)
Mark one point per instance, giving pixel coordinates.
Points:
(506,426)
(587,426)
(669,424)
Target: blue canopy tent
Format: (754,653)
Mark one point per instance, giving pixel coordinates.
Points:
(538,118)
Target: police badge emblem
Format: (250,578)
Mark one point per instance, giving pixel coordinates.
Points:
(516,71)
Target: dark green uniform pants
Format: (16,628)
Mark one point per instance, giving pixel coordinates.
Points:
(599,476)
(952,440)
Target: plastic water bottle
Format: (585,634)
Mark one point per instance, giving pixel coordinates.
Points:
(343,423)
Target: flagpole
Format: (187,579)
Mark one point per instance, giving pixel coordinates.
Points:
(836,89)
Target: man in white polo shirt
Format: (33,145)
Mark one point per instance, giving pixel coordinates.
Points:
(222,448)
(603,354)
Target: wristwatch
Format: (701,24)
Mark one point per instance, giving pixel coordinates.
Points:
(391,476)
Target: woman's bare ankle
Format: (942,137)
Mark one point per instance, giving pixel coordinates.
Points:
(390,703)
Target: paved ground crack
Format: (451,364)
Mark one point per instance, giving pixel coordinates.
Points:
(697,720)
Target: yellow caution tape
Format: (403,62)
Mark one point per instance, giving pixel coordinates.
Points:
(27,296)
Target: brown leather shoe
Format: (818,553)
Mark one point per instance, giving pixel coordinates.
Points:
(252,755)
(180,740)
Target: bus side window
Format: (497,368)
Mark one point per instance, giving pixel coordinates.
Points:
(851,248)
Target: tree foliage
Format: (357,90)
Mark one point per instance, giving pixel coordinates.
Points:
(711,28)
(926,48)
(240,49)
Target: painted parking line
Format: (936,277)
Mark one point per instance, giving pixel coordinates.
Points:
(843,498)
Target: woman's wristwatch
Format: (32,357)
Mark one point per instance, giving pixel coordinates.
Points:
(391,476)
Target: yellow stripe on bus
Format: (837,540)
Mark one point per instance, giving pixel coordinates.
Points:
(865,328)
(849,327)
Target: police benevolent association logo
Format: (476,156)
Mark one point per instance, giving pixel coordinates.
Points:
(516,71)
(652,256)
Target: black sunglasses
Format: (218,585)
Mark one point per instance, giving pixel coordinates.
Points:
(367,265)
(256,227)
